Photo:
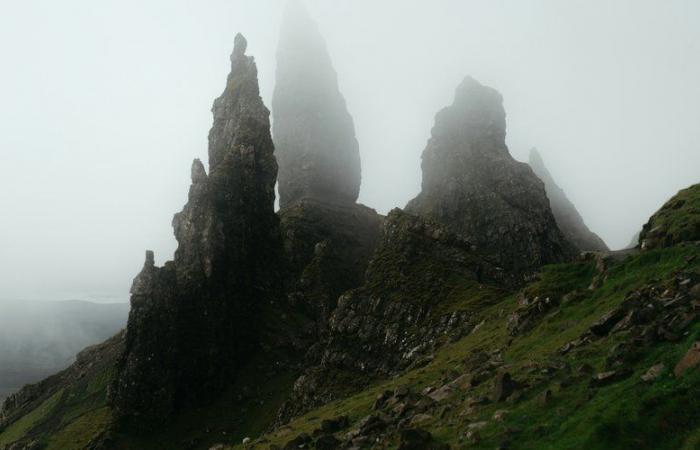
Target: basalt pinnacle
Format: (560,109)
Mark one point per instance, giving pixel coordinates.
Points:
(193,322)
(314,133)
(472,184)
(568,218)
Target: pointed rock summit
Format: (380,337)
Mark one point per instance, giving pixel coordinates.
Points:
(568,218)
(194,321)
(314,133)
(472,184)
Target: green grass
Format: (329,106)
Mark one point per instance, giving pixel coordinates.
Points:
(679,218)
(624,415)
(80,432)
(19,429)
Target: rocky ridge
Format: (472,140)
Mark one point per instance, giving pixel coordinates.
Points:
(568,218)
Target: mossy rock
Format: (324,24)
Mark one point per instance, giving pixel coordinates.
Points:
(677,221)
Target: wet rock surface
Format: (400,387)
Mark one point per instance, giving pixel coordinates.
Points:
(472,184)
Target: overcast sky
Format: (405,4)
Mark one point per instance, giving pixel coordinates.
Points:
(104,104)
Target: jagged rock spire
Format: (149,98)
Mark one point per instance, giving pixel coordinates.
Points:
(314,133)
(567,216)
(472,184)
(193,322)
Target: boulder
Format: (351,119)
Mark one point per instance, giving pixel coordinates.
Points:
(654,372)
(503,386)
(690,360)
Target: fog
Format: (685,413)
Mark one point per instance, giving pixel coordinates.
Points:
(105,104)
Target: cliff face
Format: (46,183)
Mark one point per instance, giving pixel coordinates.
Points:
(314,133)
(403,312)
(568,218)
(193,322)
(328,248)
(472,184)
(328,237)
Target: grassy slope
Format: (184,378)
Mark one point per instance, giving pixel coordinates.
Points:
(626,414)
(679,219)
(69,419)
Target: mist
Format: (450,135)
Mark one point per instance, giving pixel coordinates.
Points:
(105,104)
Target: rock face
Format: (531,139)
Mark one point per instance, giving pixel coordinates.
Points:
(328,248)
(328,238)
(402,312)
(677,221)
(193,322)
(568,218)
(314,133)
(472,184)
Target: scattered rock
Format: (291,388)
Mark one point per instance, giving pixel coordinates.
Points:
(609,377)
(603,326)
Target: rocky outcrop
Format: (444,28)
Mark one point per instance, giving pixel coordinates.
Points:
(194,321)
(409,305)
(314,133)
(328,247)
(328,238)
(677,221)
(472,184)
(568,218)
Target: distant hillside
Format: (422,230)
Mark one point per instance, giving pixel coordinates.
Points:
(41,338)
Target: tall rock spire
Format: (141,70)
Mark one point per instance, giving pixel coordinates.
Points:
(472,184)
(568,218)
(314,133)
(193,322)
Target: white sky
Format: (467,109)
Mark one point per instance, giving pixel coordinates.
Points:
(104,104)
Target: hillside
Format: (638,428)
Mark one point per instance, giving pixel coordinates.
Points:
(470,319)
(41,338)
(584,357)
